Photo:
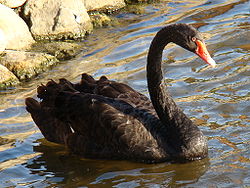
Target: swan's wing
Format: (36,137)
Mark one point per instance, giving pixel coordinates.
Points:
(106,128)
(112,89)
(103,86)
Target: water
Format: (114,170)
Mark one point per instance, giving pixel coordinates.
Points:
(216,99)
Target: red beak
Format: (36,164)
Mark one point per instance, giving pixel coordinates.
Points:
(202,52)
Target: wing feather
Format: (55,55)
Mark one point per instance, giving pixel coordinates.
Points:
(97,118)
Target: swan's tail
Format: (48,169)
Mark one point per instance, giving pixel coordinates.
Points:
(49,114)
(43,113)
(52,128)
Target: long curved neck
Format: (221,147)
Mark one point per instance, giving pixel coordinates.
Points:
(184,139)
(169,113)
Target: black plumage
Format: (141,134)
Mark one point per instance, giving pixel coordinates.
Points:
(110,120)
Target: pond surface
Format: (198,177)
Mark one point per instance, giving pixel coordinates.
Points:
(218,100)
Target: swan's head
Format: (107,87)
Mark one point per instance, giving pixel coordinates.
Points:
(189,38)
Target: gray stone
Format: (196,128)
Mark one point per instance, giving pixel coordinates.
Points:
(16,34)
(57,19)
(26,65)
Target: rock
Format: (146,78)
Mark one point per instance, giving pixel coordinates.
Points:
(12,3)
(139,1)
(104,5)
(100,20)
(7,78)
(61,50)
(3,41)
(15,31)
(27,64)
(57,19)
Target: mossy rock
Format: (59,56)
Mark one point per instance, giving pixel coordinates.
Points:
(63,36)
(25,65)
(135,9)
(7,78)
(100,19)
(61,50)
(140,1)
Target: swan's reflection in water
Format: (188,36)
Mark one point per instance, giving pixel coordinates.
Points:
(65,169)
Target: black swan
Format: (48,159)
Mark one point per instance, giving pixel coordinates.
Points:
(109,120)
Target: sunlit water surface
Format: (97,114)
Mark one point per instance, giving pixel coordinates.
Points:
(216,99)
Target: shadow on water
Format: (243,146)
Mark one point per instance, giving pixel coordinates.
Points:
(70,170)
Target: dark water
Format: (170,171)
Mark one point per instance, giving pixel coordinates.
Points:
(218,100)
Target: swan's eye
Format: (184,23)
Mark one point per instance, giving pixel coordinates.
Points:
(194,39)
